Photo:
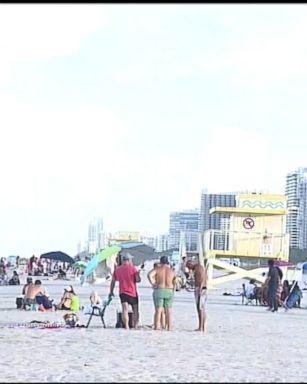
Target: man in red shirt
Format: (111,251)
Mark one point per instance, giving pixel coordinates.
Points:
(127,275)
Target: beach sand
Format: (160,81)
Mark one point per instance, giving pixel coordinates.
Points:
(241,344)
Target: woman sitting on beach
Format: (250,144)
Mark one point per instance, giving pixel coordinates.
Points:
(69,300)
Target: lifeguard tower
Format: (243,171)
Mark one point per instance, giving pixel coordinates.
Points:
(254,233)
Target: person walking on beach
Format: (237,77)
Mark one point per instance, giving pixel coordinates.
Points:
(127,275)
(200,276)
(163,280)
(273,283)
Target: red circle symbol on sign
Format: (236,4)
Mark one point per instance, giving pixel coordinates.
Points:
(248,223)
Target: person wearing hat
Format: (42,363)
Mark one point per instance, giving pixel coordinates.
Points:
(127,275)
(66,299)
(163,280)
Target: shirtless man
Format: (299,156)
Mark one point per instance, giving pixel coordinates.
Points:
(163,280)
(33,290)
(162,320)
(200,276)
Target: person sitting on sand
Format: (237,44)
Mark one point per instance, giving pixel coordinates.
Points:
(14,280)
(250,289)
(163,280)
(61,274)
(29,281)
(65,302)
(69,301)
(32,291)
(24,289)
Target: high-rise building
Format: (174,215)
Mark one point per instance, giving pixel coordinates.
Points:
(184,221)
(147,238)
(296,191)
(161,242)
(95,236)
(210,200)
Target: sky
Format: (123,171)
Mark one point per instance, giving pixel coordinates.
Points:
(127,112)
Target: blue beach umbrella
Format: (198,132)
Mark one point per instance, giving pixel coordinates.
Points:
(101,256)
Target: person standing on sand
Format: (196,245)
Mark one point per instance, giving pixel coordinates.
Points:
(127,275)
(200,276)
(163,280)
(162,320)
(273,283)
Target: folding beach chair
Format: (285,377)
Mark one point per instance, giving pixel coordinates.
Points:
(99,311)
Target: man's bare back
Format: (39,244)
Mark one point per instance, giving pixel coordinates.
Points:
(164,277)
(32,290)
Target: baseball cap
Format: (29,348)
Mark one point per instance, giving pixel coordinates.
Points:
(68,289)
(164,260)
(127,256)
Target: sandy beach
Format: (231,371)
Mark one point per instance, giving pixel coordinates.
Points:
(242,343)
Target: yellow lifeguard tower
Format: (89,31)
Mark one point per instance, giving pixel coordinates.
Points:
(256,231)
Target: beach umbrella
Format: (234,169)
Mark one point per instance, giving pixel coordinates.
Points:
(283,263)
(58,256)
(107,252)
(80,264)
(91,266)
(101,256)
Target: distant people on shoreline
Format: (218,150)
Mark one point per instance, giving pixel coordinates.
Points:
(14,280)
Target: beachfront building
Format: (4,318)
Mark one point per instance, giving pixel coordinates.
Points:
(296,191)
(82,246)
(96,236)
(147,238)
(210,200)
(218,221)
(187,222)
(161,242)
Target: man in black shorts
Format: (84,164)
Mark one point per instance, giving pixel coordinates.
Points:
(127,276)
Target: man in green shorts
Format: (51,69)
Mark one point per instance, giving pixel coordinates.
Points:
(163,280)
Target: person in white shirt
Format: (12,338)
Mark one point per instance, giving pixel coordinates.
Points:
(250,289)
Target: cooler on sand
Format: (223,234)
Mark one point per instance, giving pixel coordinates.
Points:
(119,320)
(19,302)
